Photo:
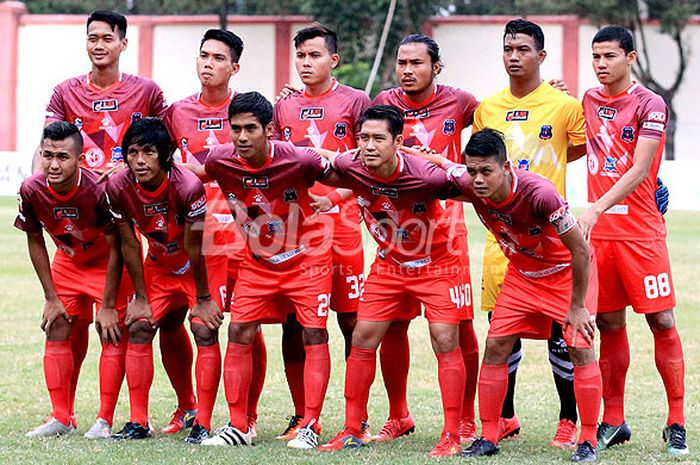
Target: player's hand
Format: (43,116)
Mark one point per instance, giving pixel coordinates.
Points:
(53,310)
(207,311)
(586,221)
(661,196)
(320,203)
(581,322)
(423,149)
(107,325)
(559,84)
(355,154)
(107,173)
(286,91)
(139,309)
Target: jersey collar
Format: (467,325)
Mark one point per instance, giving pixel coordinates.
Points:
(332,88)
(71,193)
(159,191)
(513,190)
(270,157)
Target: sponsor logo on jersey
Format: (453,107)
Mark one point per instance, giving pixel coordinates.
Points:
(523,164)
(659,116)
(546,132)
(135,116)
(341,130)
(105,105)
(94,157)
(65,213)
(606,113)
(287,133)
(311,113)
(507,219)
(78,121)
(290,195)
(558,213)
(198,207)
(610,163)
(517,115)
(153,209)
(117,156)
(653,126)
(256,182)
(627,134)
(210,124)
(448,127)
(386,191)
(419,208)
(416,114)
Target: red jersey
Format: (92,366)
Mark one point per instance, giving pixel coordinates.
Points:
(160,215)
(195,128)
(613,126)
(271,204)
(402,212)
(103,116)
(77,222)
(527,224)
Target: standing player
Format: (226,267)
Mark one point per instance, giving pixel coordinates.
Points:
(167,204)
(266,184)
(626,129)
(197,124)
(418,260)
(548,259)
(543,130)
(104,102)
(434,116)
(66,200)
(324,115)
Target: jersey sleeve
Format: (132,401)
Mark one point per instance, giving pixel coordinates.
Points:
(575,123)
(317,166)
(115,202)
(359,106)
(653,117)
(276,128)
(55,110)
(194,200)
(104,218)
(26,218)
(477,123)
(548,205)
(458,176)
(442,186)
(470,105)
(158,105)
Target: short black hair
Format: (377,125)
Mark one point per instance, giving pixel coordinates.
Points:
(318,30)
(523,26)
(388,113)
(151,132)
(618,34)
(115,20)
(251,102)
(227,37)
(430,44)
(487,143)
(62,130)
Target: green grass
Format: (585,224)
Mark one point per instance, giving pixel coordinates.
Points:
(25,400)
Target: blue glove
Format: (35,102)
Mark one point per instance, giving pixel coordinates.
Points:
(661,196)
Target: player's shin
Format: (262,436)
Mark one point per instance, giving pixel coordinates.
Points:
(177,356)
(668,355)
(58,371)
(588,386)
(258,377)
(451,376)
(207,373)
(317,370)
(493,384)
(359,375)
(238,367)
(139,377)
(112,371)
(469,346)
(395,359)
(614,363)
(79,339)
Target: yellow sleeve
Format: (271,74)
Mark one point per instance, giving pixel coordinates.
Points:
(576,123)
(478,125)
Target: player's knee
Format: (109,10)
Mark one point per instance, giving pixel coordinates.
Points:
(445,340)
(315,336)
(497,350)
(582,356)
(60,330)
(242,333)
(204,336)
(661,321)
(141,332)
(611,321)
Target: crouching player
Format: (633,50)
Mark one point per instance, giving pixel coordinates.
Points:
(167,204)
(550,276)
(69,203)
(418,261)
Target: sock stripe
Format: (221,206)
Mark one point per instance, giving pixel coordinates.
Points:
(565,365)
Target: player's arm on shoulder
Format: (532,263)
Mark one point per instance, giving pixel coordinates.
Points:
(106,320)
(428,154)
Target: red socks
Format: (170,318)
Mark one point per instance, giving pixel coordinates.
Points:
(493,385)
(176,352)
(139,377)
(668,354)
(395,358)
(238,368)
(79,339)
(451,376)
(469,344)
(207,373)
(258,377)
(614,363)
(359,375)
(58,372)
(588,386)
(317,371)
(112,369)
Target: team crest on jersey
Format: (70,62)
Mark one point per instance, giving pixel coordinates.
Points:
(184,143)
(290,195)
(402,234)
(610,163)
(135,116)
(546,132)
(65,213)
(627,134)
(341,130)
(593,164)
(210,124)
(517,115)
(386,191)
(311,113)
(416,114)
(606,113)
(78,121)
(117,156)
(287,133)
(105,105)
(94,157)
(274,227)
(153,209)
(419,208)
(256,182)
(448,127)
(523,164)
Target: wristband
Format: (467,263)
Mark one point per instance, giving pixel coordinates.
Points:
(204,297)
(335,198)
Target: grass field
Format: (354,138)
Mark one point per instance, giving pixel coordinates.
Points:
(25,400)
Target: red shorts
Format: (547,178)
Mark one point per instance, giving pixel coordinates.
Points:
(636,273)
(80,287)
(526,306)
(395,293)
(306,285)
(168,291)
(348,273)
